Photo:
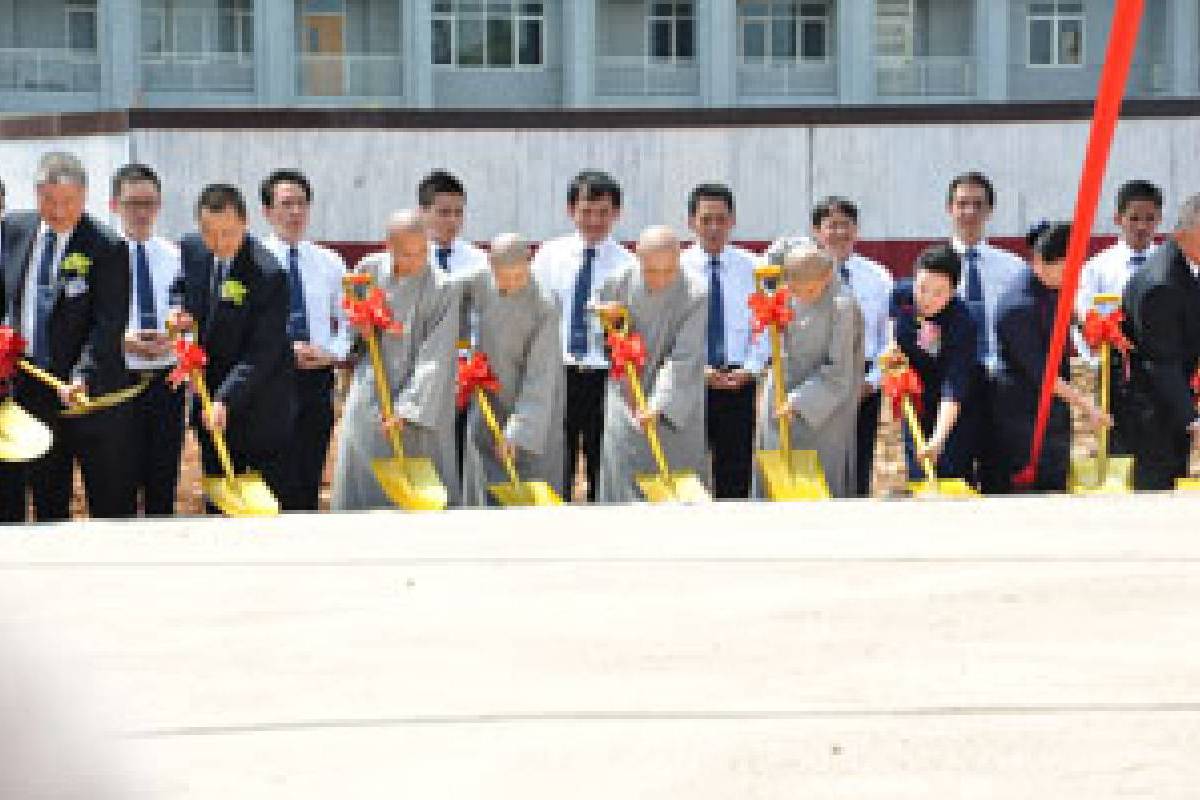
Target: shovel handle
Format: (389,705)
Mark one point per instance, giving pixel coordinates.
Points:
(53,381)
(352,284)
(485,407)
(218,437)
(918,437)
(639,400)
(784,422)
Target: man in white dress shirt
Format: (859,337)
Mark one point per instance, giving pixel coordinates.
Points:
(733,359)
(987,272)
(573,267)
(156,415)
(835,227)
(317,328)
(442,199)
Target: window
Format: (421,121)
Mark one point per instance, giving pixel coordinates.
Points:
(190,26)
(671,32)
(235,28)
(81,30)
(778,32)
(488,34)
(1056,34)
(154,34)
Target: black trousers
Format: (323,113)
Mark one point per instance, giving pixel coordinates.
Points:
(309,446)
(729,418)
(156,440)
(584,424)
(1161,452)
(990,462)
(273,466)
(868,429)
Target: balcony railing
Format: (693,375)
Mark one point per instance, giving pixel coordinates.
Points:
(48,70)
(790,78)
(350,74)
(640,77)
(198,72)
(925,76)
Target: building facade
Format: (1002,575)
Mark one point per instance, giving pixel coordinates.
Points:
(62,55)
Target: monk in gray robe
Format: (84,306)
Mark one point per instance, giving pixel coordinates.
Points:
(822,369)
(421,367)
(669,309)
(518,330)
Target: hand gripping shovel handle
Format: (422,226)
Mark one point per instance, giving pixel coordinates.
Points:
(383,390)
(914,430)
(639,399)
(45,377)
(486,408)
(218,437)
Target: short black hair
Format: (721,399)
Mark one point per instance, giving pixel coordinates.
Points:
(133,173)
(217,197)
(266,190)
(438,182)
(1133,191)
(972,179)
(942,259)
(710,191)
(593,185)
(831,204)
(1049,240)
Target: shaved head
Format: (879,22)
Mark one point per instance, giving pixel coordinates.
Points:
(407,220)
(658,252)
(658,238)
(806,262)
(407,242)
(509,249)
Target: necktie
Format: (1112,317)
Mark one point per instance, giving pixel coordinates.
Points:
(716,315)
(147,309)
(844,269)
(1137,260)
(218,277)
(297,327)
(578,344)
(975,303)
(45,301)
(443,257)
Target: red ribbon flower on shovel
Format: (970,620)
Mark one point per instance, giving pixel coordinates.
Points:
(474,373)
(770,309)
(626,348)
(900,384)
(1196,382)
(1101,329)
(189,357)
(371,313)
(12,348)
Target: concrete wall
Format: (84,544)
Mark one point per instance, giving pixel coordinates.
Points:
(101,154)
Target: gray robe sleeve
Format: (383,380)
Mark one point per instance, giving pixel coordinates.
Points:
(827,387)
(419,400)
(529,423)
(679,388)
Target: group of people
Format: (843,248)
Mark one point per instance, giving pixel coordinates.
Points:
(101,311)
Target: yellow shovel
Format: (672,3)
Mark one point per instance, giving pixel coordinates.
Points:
(1190,484)
(411,483)
(789,474)
(516,492)
(664,486)
(23,437)
(932,486)
(1103,474)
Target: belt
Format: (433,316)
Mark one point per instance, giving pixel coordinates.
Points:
(150,374)
(729,367)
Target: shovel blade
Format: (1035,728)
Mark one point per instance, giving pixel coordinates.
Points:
(677,487)
(411,483)
(23,437)
(797,478)
(943,487)
(1188,485)
(1085,476)
(245,495)
(525,493)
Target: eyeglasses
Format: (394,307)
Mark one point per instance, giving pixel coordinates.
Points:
(140,205)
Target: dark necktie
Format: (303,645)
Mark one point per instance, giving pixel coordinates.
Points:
(297,327)
(845,272)
(716,315)
(218,277)
(1136,260)
(975,304)
(45,301)
(443,257)
(147,308)
(578,344)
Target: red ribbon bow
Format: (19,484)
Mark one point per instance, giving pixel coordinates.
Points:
(1196,382)
(626,348)
(189,357)
(371,313)
(474,373)
(901,384)
(770,309)
(12,348)
(1101,329)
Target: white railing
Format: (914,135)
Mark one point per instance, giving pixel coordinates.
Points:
(925,76)
(198,72)
(350,74)
(643,77)
(31,69)
(787,78)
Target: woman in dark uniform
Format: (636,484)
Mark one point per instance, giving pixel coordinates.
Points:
(1024,322)
(934,330)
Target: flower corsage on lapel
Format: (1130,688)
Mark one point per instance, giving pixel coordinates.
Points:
(929,336)
(233,291)
(75,264)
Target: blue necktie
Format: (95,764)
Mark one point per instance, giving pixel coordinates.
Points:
(298,318)
(716,315)
(845,271)
(578,344)
(975,303)
(1137,260)
(45,302)
(147,313)
(443,257)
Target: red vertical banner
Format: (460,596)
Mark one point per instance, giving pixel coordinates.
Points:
(1122,41)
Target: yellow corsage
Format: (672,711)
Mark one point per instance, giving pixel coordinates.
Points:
(233,291)
(76,264)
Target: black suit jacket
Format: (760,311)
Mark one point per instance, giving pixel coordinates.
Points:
(87,328)
(250,361)
(1162,319)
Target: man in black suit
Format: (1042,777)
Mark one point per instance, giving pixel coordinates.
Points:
(1162,319)
(236,295)
(67,292)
